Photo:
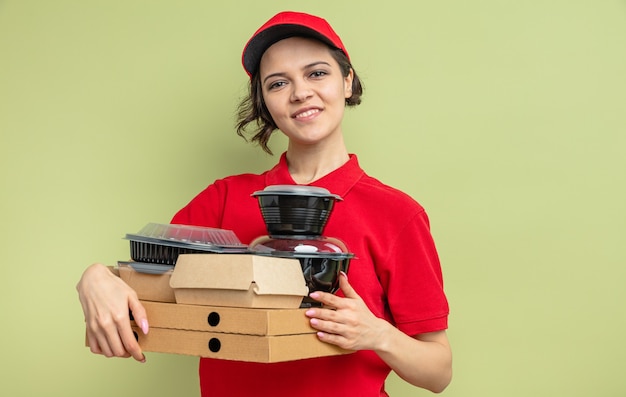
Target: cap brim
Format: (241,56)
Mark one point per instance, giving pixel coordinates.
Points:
(257,46)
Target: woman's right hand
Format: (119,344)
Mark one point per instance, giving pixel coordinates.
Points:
(105,299)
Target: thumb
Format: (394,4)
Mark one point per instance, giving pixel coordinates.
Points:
(139,314)
(346,288)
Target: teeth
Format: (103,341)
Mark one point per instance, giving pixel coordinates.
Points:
(307,113)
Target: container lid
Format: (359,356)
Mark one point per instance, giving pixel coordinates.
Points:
(296,190)
(294,247)
(192,237)
(147,268)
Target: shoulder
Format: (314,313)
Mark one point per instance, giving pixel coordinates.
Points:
(383,195)
(232,189)
(208,206)
(240,181)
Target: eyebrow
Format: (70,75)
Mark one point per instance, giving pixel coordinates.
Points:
(281,74)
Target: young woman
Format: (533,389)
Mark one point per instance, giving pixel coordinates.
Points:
(391,309)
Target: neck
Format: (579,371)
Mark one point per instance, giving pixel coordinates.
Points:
(308,164)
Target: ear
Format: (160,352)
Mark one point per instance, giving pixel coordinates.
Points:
(347,81)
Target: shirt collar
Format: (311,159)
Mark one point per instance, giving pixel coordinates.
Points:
(339,181)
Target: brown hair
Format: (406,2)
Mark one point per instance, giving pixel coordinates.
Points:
(252,108)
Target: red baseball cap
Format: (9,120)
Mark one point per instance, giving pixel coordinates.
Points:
(283,25)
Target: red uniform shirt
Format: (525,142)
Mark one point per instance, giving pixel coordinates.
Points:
(396,271)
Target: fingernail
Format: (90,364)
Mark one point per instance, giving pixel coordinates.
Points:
(309,312)
(314,295)
(344,274)
(144,326)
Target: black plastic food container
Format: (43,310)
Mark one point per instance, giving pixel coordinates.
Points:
(290,210)
(163,243)
(321,272)
(157,253)
(321,258)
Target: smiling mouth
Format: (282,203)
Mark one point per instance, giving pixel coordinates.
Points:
(306,114)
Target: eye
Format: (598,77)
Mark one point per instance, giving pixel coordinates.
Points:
(275,85)
(318,73)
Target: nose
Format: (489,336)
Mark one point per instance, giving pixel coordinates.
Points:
(301,91)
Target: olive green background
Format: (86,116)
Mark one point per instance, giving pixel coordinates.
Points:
(505,119)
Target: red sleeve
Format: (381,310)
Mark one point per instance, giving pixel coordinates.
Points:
(414,281)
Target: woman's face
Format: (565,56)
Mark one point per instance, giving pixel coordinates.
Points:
(304,90)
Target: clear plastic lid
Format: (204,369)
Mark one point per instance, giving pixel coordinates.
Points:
(184,236)
(296,190)
(147,268)
(327,247)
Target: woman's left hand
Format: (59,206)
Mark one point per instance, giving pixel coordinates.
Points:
(351,325)
(423,360)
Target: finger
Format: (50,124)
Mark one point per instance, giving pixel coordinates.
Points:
(131,345)
(346,288)
(108,329)
(113,338)
(114,342)
(328,300)
(103,345)
(127,334)
(327,326)
(139,314)
(334,339)
(323,314)
(93,344)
